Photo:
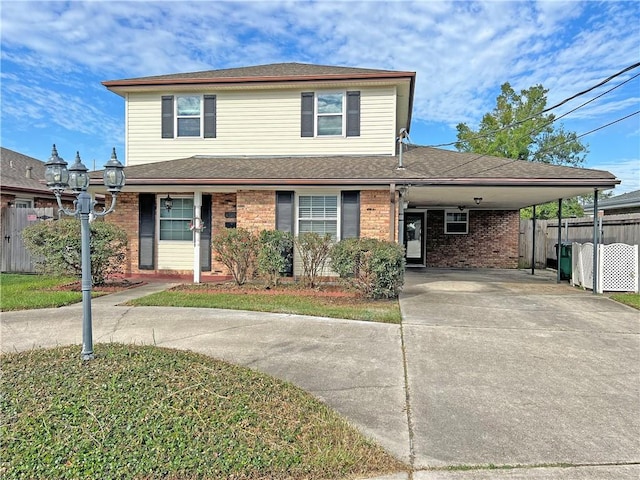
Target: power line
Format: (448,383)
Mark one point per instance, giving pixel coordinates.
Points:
(514,124)
(552,147)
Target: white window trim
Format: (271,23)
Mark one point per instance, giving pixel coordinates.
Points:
(27,202)
(314,193)
(316,114)
(176,116)
(159,199)
(466,222)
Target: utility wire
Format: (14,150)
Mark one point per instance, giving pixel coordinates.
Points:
(552,147)
(514,124)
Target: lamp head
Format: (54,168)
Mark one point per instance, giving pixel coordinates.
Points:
(55,172)
(78,176)
(114,177)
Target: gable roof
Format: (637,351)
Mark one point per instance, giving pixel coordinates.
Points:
(14,177)
(274,72)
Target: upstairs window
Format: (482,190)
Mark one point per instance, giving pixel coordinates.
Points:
(189,116)
(330,114)
(456,222)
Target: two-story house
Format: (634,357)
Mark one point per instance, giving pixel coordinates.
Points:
(302,148)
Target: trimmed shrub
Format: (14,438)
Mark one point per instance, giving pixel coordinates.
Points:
(314,252)
(275,255)
(236,249)
(374,267)
(58,244)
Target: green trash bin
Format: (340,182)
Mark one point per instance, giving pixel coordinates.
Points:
(564,260)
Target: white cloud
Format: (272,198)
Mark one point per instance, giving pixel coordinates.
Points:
(626,170)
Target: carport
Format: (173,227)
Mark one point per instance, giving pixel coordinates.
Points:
(459,186)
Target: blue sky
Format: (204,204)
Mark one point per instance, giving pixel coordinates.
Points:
(55,54)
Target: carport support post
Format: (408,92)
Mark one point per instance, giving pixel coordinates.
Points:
(595,241)
(533,255)
(559,238)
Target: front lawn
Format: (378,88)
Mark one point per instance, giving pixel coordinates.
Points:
(325,301)
(143,412)
(631,299)
(22,292)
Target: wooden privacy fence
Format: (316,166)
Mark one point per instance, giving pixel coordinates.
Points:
(14,256)
(613,229)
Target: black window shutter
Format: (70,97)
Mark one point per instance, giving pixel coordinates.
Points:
(167,116)
(285,218)
(205,235)
(353,114)
(307,121)
(209,116)
(350,220)
(147,230)
(284,211)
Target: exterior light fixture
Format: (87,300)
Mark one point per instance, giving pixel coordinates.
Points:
(76,177)
(477,200)
(168,202)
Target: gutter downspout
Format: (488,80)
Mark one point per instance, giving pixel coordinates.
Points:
(392,212)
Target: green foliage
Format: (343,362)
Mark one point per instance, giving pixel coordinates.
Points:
(236,249)
(58,245)
(516,129)
(374,267)
(571,207)
(142,412)
(314,252)
(25,292)
(274,254)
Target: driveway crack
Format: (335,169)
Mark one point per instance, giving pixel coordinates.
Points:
(407,389)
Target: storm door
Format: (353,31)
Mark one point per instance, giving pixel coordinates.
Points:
(414,237)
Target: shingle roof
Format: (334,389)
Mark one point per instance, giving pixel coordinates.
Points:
(274,71)
(14,172)
(422,165)
(629,199)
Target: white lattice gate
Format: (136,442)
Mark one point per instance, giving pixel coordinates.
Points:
(617,267)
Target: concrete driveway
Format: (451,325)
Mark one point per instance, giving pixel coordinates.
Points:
(488,368)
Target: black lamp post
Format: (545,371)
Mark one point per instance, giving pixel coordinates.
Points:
(76,177)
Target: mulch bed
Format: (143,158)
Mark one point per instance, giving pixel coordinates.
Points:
(110,286)
(326,290)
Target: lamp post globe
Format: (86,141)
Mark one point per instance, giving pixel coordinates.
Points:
(78,176)
(55,172)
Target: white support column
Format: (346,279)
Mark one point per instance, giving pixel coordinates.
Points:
(197,227)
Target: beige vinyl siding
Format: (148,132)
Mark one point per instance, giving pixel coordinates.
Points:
(175,255)
(265,122)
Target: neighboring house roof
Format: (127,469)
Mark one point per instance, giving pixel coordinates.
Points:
(15,173)
(623,201)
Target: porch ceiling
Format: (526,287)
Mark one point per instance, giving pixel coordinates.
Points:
(493,198)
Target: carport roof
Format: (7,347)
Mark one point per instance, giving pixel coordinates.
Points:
(422,167)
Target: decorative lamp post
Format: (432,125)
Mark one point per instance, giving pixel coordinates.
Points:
(76,177)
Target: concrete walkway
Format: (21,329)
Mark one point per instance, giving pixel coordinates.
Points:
(488,368)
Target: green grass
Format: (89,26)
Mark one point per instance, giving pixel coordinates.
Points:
(387,311)
(23,292)
(149,413)
(631,299)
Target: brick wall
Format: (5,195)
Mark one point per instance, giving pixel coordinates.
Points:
(126,217)
(492,241)
(256,210)
(224,211)
(375,210)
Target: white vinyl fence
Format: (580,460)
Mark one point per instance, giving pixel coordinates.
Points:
(617,267)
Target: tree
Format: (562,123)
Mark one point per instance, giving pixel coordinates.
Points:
(517,129)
